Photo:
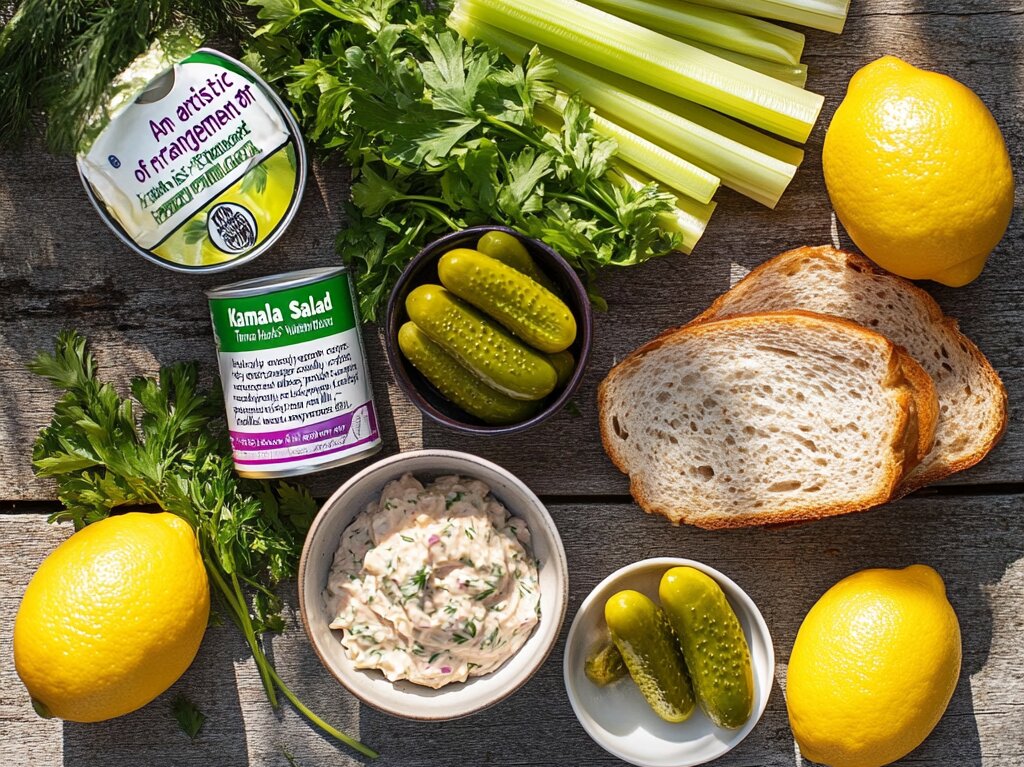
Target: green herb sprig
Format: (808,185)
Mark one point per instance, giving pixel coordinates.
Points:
(190,719)
(166,447)
(442,134)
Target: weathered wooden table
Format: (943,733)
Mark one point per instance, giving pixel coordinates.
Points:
(60,267)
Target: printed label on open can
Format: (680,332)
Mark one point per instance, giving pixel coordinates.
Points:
(203,171)
(296,390)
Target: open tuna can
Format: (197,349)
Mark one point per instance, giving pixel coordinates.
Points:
(197,165)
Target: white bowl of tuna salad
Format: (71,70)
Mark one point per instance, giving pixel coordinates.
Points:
(433,584)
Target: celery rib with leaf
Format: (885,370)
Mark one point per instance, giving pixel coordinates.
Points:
(667,64)
(829,15)
(673,171)
(690,218)
(724,29)
(748,170)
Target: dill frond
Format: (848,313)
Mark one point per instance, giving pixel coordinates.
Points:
(58,57)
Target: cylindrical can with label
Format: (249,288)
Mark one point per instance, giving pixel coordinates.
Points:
(296,387)
(200,167)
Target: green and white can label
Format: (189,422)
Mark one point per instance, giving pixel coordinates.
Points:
(202,171)
(296,389)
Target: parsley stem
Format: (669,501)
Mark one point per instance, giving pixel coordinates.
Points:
(257,586)
(250,635)
(328,9)
(421,198)
(585,203)
(603,195)
(330,729)
(443,217)
(272,682)
(235,600)
(508,128)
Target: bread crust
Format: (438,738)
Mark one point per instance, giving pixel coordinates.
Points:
(915,426)
(862,264)
(923,403)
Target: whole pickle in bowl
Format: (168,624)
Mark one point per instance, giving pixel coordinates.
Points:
(458,384)
(481,344)
(529,310)
(713,645)
(644,638)
(510,251)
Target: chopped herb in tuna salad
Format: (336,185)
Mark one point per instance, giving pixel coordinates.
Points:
(434,583)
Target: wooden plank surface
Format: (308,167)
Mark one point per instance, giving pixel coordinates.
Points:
(61,267)
(977,544)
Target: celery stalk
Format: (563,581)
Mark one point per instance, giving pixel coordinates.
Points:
(571,72)
(719,123)
(751,173)
(690,218)
(758,174)
(732,31)
(683,176)
(794,74)
(641,54)
(829,15)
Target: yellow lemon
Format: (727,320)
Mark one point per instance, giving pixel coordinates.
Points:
(112,617)
(918,172)
(873,668)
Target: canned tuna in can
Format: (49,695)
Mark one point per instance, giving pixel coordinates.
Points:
(296,388)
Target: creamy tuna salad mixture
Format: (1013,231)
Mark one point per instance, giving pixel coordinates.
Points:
(434,584)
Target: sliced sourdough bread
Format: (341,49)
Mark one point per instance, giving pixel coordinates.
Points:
(972,400)
(766,418)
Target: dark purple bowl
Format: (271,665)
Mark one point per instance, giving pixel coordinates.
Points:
(423,269)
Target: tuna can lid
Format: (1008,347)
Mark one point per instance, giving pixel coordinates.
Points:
(272,283)
(200,166)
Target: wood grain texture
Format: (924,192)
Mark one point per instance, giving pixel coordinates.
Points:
(977,545)
(61,267)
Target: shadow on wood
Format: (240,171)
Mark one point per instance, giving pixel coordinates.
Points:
(150,736)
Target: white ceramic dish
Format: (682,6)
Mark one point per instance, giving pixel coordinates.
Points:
(403,698)
(618,718)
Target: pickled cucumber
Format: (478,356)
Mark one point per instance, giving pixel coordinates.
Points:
(712,642)
(510,251)
(530,311)
(480,344)
(456,383)
(564,364)
(604,665)
(643,637)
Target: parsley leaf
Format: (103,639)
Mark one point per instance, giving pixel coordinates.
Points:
(190,718)
(523,192)
(442,134)
(166,447)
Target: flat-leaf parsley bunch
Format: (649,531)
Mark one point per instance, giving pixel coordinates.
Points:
(167,447)
(442,134)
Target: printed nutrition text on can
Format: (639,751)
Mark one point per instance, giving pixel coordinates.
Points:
(296,388)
